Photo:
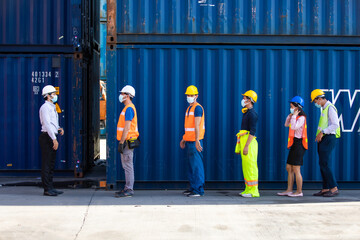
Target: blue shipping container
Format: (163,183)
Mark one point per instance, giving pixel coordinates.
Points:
(161,73)
(45,22)
(242,17)
(22,78)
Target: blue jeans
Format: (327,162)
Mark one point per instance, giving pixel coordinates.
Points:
(325,147)
(195,171)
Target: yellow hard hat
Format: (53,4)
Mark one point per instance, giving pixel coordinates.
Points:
(191,90)
(316,93)
(251,94)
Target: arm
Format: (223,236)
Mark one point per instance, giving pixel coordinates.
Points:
(46,123)
(253,122)
(197,133)
(296,124)
(287,121)
(333,121)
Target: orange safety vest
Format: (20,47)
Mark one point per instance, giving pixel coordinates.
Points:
(304,135)
(133,132)
(189,135)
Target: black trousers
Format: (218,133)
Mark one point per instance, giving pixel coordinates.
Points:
(48,157)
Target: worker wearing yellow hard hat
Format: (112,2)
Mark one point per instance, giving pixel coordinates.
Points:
(192,140)
(247,145)
(327,132)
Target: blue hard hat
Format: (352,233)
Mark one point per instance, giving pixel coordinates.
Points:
(298,100)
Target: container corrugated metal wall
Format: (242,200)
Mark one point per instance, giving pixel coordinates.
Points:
(60,40)
(45,22)
(277,48)
(23,77)
(160,75)
(268,17)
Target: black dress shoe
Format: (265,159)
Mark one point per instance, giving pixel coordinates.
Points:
(319,194)
(57,191)
(331,194)
(50,193)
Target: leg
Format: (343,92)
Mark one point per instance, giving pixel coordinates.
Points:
(128,166)
(290,180)
(326,146)
(196,168)
(299,180)
(250,169)
(325,186)
(46,149)
(52,166)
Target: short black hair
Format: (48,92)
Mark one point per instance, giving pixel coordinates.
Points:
(301,110)
(251,100)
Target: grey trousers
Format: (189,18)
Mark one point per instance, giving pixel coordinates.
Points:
(128,165)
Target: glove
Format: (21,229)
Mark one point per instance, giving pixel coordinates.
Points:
(121,147)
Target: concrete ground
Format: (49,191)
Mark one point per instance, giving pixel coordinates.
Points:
(96,214)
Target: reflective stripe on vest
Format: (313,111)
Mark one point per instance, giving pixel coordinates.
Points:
(303,136)
(324,121)
(190,124)
(133,131)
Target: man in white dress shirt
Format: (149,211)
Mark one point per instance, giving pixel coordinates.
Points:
(50,128)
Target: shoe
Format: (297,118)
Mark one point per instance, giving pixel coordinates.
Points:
(50,193)
(194,194)
(319,194)
(126,193)
(57,191)
(284,193)
(296,195)
(119,192)
(247,195)
(331,194)
(187,192)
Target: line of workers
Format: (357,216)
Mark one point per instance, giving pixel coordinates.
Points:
(128,136)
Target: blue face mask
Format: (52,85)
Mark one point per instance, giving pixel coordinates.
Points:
(317,105)
(54,99)
(291,110)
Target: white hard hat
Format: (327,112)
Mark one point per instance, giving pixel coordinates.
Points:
(48,89)
(128,89)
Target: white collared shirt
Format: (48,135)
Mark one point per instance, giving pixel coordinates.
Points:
(49,119)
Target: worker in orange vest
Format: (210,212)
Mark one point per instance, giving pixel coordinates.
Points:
(298,144)
(127,135)
(192,140)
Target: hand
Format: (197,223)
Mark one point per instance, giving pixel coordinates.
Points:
(121,147)
(319,137)
(198,146)
(182,144)
(56,144)
(296,112)
(61,131)
(246,150)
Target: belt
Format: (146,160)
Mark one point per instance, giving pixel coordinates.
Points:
(46,133)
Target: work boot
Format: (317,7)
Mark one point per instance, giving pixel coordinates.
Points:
(50,193)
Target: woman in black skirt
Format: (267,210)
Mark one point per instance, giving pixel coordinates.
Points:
(298,144)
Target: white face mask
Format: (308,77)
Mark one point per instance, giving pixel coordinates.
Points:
(190,99)
(121,98)
(243,103)
(291,110)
